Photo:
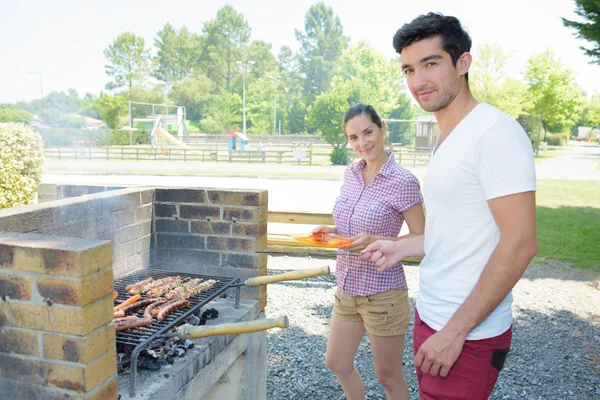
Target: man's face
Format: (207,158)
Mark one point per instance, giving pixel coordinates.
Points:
(432,79)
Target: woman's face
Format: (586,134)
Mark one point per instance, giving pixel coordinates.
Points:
(365,137)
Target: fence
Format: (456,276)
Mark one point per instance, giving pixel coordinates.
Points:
(130,153)
(313,154)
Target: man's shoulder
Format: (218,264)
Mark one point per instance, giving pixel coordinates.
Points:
(491,114)
(488,118)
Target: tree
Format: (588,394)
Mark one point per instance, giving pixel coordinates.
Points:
(379,79)
(552,94)
(322,44)
(326,115)
(112,108)
(223,43)
(15,115)
(224,113)
(193,93)
(289,94)
(489,82)
(588,30)
(129,61)
(402,132)
(591,113)
(178,54)
(265,62)
(259,106)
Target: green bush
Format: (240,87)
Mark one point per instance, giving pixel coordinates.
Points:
(557,139)
(15,115)
(21,159)
(339,156)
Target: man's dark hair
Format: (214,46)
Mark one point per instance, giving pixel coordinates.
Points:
(455,41)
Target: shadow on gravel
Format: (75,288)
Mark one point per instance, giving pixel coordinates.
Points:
(554,355)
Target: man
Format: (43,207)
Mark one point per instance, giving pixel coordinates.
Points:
(480,232)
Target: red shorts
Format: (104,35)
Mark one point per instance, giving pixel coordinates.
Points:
(473,375)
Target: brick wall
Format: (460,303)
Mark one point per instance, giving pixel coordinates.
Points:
(212,232)
(121,216)
(56,336)
(49,191)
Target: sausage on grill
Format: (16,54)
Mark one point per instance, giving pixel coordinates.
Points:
(132,323)
(138,304)
(148,311)
(154,312)
(162,314)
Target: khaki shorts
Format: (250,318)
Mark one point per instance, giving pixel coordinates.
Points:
(384,314)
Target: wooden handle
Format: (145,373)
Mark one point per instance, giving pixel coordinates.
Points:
(196,332)
(287,276)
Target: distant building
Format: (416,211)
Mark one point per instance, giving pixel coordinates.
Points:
(583,131)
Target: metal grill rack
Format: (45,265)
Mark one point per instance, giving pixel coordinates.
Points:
(141,338)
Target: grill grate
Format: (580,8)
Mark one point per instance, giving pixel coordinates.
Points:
(140,338)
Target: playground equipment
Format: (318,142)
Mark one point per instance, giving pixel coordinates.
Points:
(232,141)
(160,123)
(160,138)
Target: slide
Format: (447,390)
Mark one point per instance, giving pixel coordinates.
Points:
(162,133)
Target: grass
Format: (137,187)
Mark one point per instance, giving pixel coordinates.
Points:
(568,222)
(552,152)
(192,126)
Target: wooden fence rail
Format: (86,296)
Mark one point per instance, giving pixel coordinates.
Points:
(285,243)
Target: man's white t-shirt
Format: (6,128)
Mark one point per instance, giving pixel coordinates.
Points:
(487,155)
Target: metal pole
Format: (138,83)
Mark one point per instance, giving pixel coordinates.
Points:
(244,67)
(130,123)
(244,103)
(42,94)
(275,107)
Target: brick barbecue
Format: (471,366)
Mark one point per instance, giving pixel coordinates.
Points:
(58,261)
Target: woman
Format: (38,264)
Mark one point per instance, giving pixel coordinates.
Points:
(377,196)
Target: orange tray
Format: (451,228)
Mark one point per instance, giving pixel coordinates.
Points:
(322,239)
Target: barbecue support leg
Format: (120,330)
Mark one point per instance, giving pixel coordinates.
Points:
(238,291)
(255,367)
(133,370)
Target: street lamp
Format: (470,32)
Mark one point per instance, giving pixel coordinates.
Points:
(245,67)
(41,91)
(274,80)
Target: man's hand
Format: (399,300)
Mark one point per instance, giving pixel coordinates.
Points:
(439,353)
(384,253)
(359,242)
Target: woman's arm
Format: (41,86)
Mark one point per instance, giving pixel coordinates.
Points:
(415,219)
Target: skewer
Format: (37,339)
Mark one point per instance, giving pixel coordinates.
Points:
(287,276)
(309,253)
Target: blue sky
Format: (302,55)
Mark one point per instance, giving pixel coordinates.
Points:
(65,39)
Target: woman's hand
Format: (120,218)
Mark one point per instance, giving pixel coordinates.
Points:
(360,241)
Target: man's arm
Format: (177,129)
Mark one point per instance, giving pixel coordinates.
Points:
(414,218)
(385,253)
(515,216)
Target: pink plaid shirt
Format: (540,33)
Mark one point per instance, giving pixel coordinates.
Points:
(376,209)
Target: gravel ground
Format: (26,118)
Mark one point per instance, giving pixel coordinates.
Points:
(555,352)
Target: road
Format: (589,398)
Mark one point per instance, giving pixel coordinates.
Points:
(579,162)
